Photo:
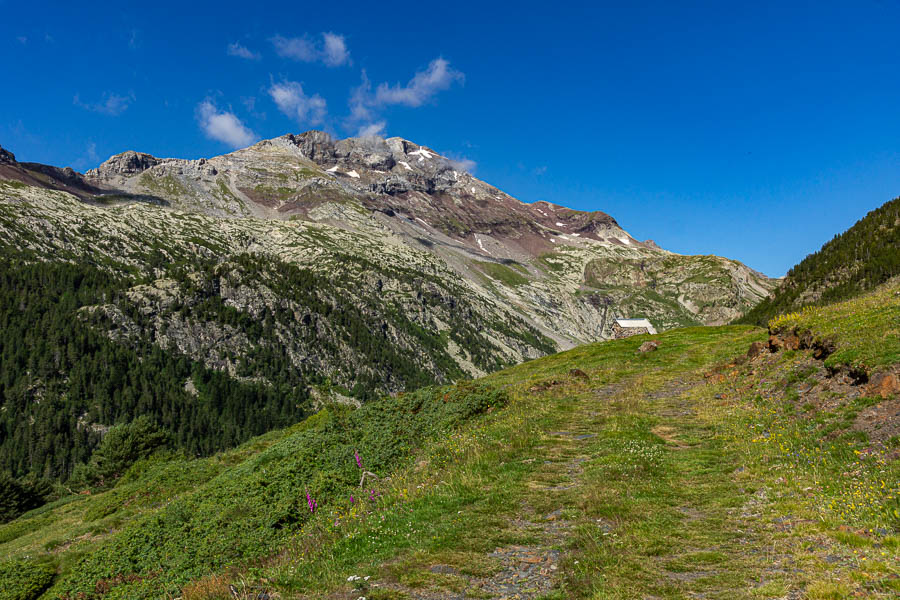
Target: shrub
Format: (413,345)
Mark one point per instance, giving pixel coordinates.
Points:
(25,580)
(122,446)
(251,509)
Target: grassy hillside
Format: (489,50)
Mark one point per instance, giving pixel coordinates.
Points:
(861,258)
(221,323)
(602,472)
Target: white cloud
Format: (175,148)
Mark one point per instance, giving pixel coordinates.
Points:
(361,114)
(422,87)
(223,126)
(372,130)
(361,100)
(91,152)
(294,103)
(331,51)
(236,49)
(334,50)
(295,48)
(364,104)
(110,104)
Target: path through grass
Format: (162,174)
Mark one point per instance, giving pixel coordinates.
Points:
(623,479)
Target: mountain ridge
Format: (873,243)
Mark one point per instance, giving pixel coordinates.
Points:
(264,274)
(411,192)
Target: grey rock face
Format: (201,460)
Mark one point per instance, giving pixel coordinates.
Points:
(7,157)
(127,163)
(569,274)
(317,146)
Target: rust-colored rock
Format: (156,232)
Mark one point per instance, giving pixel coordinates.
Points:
(756,348)
(784,341)
(791,341)
(579,374)
(884,385)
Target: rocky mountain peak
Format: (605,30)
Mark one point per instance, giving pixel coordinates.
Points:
(126,163)
(370,153)
(7,157)
(315,145)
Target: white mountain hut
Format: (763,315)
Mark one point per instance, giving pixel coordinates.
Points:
(623,328)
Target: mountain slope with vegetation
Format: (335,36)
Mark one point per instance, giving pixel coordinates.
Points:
(226,297)
(861,258)
(719,465)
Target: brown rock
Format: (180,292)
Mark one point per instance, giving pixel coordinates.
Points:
(775,343)
(823,349)
(756,349)
(649,346)
(791,342)
(807,340)
(579,374)
(884,385)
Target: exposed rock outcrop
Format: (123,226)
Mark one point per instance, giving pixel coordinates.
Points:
(567,273)
(7,157)
(126,163)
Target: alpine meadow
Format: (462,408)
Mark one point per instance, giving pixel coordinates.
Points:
(426,302)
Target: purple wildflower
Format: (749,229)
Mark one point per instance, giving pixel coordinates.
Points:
(311,503)
(358,459)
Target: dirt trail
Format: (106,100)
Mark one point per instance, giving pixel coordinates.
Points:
(531,570)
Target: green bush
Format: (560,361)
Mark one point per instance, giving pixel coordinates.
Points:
(25,580)
(122,446)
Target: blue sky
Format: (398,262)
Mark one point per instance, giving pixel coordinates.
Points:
(755,131)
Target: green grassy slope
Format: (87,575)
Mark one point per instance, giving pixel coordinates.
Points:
(600,472)
(861,258)
(865,331)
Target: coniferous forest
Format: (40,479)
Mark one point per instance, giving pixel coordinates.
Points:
(89,346)
(853,262)
(63,382)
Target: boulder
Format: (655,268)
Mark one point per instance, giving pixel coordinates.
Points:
(7,157)
(823,349)
(126,163)
(579,374)
(756,348)
(650,346)
(791,341)
(784,341)
(884,385)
